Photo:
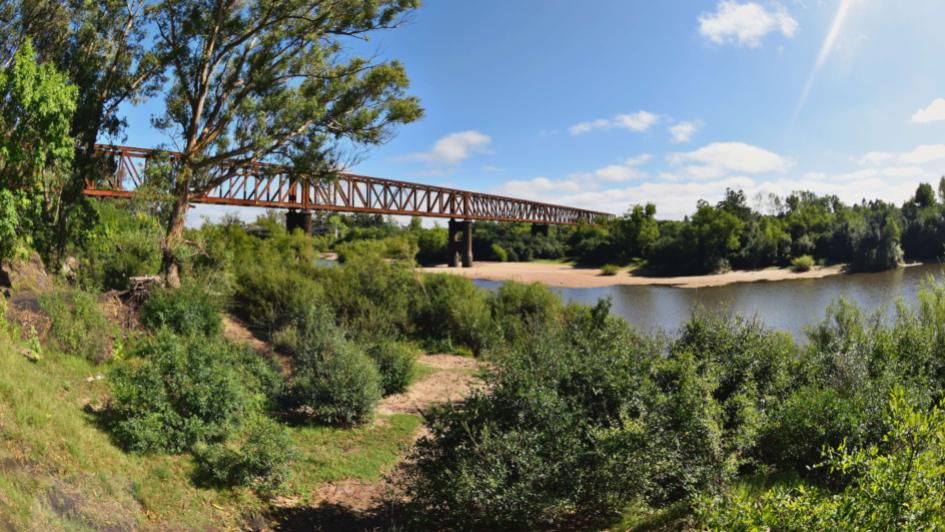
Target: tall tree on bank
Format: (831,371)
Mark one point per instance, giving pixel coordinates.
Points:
(103,48)
(272,80)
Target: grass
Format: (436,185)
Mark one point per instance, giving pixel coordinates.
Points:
(553,261)
(421,371)
(366,453)
(58,470)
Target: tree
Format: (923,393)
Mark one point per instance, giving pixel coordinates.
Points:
(266,80)
(103,48)
(36,106)
(925,196)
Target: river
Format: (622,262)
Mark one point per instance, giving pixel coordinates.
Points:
(785,305)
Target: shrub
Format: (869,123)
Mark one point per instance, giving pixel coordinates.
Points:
(499,253)
(270,297)
(373,297)
(396,248)
(515,306)
(432,245)
(179,392)
(896,485)
(609,269)
(454,313)
(802,264)
(334,381)
(122,244)
(187,311)
(554,441)
(258,457)
(77,324)
(395,361)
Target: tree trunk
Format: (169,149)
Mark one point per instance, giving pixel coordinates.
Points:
(170,265)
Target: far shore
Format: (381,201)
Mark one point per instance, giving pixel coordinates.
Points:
(569,276)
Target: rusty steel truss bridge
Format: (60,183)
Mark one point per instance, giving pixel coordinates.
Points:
(271,186)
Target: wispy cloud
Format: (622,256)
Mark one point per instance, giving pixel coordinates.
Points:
(935,112)
(745,24)
(453,148)
(825,50)
(638,122)
(683,132)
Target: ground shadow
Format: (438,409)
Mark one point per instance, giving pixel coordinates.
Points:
(335,517)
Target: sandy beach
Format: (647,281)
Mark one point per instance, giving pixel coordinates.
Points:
(569,276)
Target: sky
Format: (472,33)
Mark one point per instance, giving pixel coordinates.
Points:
(603,104)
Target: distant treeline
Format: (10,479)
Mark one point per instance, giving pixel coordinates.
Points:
(731,234)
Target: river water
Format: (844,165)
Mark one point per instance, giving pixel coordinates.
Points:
(785,305)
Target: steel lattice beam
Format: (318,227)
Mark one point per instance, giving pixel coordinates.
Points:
(270,186)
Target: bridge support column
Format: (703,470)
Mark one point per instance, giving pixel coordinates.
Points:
(540,229)
(296,219)
(460,244)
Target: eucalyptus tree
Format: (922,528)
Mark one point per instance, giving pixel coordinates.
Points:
(273,81)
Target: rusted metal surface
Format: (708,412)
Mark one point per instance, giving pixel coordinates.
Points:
(271,186)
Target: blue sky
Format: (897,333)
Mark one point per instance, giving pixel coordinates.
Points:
(604,104)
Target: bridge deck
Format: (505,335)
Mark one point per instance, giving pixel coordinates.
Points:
(271,187)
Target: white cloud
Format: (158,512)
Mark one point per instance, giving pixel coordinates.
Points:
(638,122)
(683,131)
(723,158)
(935,112)
(923,154)
(745,24)
(453,148)
(876,158)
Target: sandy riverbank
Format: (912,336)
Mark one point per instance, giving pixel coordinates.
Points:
(569,276)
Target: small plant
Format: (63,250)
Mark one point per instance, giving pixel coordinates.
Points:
(609,269)
(802,264)
(77,324)
(500,253)
(188,311)
(395,361)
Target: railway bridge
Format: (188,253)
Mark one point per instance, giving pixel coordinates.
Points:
(272,186)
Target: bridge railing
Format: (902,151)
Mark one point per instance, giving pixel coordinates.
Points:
(272,187)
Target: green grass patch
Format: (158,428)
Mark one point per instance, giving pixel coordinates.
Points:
(421,371)
(329,454)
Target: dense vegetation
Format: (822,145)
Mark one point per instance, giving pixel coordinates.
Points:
(582,423)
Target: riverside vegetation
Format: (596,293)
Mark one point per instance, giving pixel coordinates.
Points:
(582,422)
(157,420)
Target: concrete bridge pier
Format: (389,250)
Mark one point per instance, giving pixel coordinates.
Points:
(297,219)
(460,243)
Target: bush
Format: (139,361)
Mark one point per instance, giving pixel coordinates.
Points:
(802,264)
(259,458)
(334,381)
(187,311)
(395,361)
(517,306)
(499,253)
(609,269)
(432,245)
(896,485)
(454,313)
(554,440)
(123,244)
(270,298)
(396,248)
(179,392)
(78,325)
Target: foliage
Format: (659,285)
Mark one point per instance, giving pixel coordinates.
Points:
(271,297)
(396,248)
(334,381)
(499,253)
(431,245)
(896,485)
(187,311)
(77,324)
(36,105)
(517,307)
(120,245)
(258,457)
(609,269)
(802,264)
(395,362)
(179,392)
(453,313)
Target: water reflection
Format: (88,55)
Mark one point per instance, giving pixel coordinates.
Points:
(785,305)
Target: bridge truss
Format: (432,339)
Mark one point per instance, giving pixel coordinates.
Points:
(271,186)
